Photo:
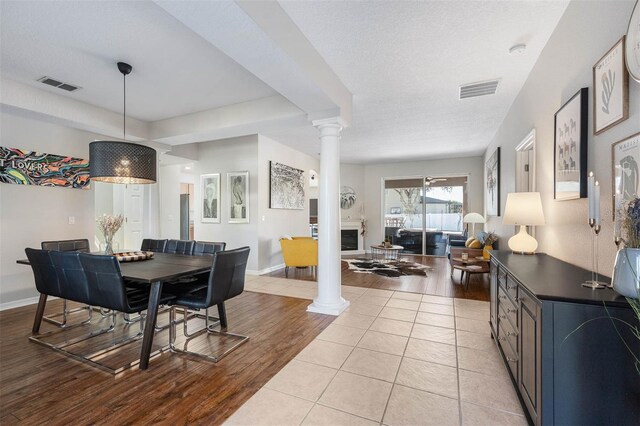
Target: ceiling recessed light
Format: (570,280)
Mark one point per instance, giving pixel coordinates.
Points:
(518,49)
(187,167)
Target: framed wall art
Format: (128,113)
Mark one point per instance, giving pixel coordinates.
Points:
(238,195)
(492,192)
(23,167)
(570,148)
(632,44)
(286,187)
(610,89)
(625,159)
(210,190)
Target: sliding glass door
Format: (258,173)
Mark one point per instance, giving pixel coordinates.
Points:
(419,212)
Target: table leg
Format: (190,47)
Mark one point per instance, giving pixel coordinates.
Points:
(150,325)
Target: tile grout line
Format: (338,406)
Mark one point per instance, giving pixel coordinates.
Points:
(455,330)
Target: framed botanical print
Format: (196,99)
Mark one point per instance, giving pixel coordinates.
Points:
(238,196)
(570,148)
(610,89)
(625,158)
(492,194)
(210,191)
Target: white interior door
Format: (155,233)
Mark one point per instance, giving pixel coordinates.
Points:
(133,212)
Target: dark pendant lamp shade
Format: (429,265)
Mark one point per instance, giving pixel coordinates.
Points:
(122,162)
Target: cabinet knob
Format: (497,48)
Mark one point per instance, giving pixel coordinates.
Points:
(502,296)
(512,359)
(511,311)
(502,316)
(502,338)
(512,333)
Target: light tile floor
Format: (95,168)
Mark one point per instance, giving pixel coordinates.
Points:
(392,358)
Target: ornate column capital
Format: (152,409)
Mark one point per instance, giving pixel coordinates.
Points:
(332,122)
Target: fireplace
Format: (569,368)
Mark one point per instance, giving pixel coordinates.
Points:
(351,240)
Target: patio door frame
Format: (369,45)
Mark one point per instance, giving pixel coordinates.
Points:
(424,205)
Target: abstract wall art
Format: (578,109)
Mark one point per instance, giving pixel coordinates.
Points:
(22,167)
(492,194)
(286,187)
(238,193)
(610,89)
(210,190)
(625,159)
(570,152)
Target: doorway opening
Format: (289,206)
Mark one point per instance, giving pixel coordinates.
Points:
(187,204)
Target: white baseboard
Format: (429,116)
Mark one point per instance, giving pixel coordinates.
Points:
(22,302)
(264,271)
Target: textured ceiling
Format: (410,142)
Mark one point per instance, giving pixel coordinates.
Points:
(403,63)
(175,72)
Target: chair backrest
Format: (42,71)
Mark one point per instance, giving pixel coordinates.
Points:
(73,281)
(105,280)
(157,246)
(44,273)
(179,246)
(299,251)
(81,245)
(226,279)
(208,248)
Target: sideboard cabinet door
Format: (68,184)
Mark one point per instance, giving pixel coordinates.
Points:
(493,309)
(530,353)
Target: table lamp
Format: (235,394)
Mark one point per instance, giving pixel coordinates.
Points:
(523,208)
(473,218)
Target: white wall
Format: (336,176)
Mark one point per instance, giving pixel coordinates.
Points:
(352,175)
(224,156)
(32,214)
(169,197)
(373,175)
(585,33)
(276,222)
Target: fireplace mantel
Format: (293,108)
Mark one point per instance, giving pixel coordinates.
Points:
(353,226)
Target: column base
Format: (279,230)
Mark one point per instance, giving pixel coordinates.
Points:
(329,308)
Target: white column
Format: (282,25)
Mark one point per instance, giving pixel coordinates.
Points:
(329,300)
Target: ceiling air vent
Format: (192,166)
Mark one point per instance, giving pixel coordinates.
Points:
(60,85)
(478,89)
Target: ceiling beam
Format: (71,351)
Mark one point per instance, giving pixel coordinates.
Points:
(262,38)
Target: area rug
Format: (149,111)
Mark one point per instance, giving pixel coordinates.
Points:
(392,269)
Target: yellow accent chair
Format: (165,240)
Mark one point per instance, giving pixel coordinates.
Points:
(299,252)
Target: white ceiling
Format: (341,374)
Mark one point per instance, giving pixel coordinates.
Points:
(175,72)
(402,61)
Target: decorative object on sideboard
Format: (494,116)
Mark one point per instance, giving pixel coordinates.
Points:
(122,162)
(210,192)
(286,187)
(632,47)
(238,196)
(625,159)
(489,240)
(570,148)
(492,194)
(610,89)
(473,218)
(347,197)
(22,167)
(523,209)
(593,193)
(109,225)
(625,271)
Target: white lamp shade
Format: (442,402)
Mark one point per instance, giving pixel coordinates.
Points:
(523,208)
(473,218)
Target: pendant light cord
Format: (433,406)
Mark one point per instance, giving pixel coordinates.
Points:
(124,109)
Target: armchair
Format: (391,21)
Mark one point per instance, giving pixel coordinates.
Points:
(299,252)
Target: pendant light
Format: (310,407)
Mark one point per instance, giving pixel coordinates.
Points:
(122,162)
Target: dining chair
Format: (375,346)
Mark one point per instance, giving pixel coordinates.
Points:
(157,246)
(208,248)
(226,281)
(179,247)
(79,245)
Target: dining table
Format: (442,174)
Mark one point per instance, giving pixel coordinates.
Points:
(160,269)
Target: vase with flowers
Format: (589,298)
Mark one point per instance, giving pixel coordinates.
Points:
(109,225)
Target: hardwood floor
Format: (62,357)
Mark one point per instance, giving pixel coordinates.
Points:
(437,282)
(40,386)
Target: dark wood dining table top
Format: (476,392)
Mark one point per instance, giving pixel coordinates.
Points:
(161,267)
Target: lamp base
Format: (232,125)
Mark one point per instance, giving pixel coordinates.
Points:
(522,242)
